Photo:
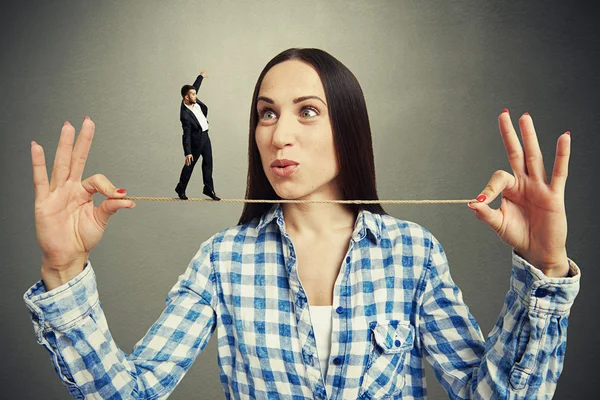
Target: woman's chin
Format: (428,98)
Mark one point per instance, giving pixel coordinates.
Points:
(287,192)
(287,195)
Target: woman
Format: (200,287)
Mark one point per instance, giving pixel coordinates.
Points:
(313,300)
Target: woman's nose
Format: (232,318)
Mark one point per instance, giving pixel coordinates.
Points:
(285,131)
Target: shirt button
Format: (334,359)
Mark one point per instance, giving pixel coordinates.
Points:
(541,292)
(397,343)
(348,259)
(337,360)
(339,310)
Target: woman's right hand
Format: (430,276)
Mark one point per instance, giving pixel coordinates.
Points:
(67,224)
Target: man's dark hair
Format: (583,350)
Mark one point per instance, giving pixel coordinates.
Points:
(185,89)
(351,135)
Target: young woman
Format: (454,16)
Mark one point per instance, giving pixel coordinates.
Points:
(313,300)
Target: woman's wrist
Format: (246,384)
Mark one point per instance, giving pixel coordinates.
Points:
(54,277)
(553,268)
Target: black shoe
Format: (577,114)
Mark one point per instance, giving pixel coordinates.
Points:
(211,194)
(181,194)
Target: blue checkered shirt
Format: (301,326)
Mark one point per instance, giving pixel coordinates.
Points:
(394,305)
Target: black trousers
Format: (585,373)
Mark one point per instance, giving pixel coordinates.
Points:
(204,149)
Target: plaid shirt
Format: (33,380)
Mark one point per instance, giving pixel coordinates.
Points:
(394,305)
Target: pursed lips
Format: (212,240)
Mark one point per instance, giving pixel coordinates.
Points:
(282,163)
(283,167)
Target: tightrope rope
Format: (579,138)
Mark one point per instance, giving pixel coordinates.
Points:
(302,201)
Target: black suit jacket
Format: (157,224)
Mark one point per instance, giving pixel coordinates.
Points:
(192,132)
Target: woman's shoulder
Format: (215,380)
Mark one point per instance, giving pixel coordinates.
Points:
(236,234)
(401,230)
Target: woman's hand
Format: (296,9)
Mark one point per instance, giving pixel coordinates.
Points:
(531,217)
(67,224)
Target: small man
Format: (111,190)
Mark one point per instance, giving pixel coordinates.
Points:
(196,143)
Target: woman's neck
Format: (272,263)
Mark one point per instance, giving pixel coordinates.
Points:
(317,218)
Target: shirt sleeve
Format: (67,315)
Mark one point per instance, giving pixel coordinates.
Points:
(70,324)
(523,355)
(186,138)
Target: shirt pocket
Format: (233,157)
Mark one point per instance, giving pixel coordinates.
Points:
(384,374)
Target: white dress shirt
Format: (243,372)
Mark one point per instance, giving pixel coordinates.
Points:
(199,115)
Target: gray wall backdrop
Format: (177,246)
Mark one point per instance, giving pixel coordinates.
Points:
(435,76)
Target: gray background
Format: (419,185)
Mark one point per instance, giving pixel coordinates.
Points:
(435,76)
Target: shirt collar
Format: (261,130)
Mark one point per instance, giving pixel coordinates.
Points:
(367,223)
(190,107)
(275,212)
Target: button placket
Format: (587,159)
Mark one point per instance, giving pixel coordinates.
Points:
(307,356)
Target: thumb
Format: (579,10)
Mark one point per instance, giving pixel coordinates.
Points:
(485,213)
(109,207)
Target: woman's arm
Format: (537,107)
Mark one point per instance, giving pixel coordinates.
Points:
(523,355)
(70,323)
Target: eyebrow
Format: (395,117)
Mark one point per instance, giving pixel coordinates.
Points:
(298,100)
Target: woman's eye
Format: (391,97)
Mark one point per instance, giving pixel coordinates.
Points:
(267,114)
(308,112)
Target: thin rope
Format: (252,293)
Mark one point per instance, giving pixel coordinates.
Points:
(301,201)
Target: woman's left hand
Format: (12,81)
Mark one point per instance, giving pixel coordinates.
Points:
(531,217)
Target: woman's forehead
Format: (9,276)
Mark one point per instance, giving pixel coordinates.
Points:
(291,78)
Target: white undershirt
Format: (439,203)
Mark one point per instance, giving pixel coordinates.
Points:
(320,316)
(195,108)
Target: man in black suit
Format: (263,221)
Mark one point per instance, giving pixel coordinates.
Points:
(196,143)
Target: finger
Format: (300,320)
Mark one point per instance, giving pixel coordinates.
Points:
(62,159)
(40,174)
(82,149)
(533,154)
(494,218)
(108,208)
(511,143)
(99,183)
(500,181)
(561,162)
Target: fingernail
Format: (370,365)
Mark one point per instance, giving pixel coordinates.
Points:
(505,111)
(526,113)
(86,117)
(471,207)
(32,142)
(121,191)
(66,123)
(132,205)
(481,198)
(569,133)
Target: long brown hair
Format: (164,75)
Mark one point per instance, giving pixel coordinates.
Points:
(351,135)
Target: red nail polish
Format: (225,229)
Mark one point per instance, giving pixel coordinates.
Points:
(505,111)
(526,113)
(471,207)
(569,133)
(121,191)
(481,198)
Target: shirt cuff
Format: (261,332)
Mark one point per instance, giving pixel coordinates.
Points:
(64,305)
(541,293)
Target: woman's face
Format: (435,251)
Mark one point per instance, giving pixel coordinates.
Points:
(294,135)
